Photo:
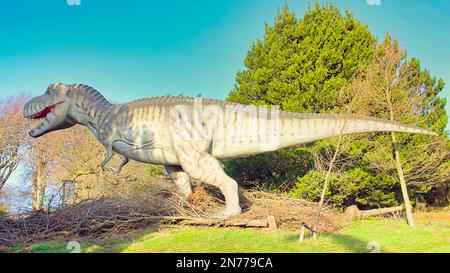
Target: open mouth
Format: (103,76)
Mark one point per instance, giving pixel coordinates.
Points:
(42,114)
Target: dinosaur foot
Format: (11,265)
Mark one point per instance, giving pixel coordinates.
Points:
(227,213)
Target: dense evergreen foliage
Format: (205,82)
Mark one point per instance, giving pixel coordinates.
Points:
(304,65)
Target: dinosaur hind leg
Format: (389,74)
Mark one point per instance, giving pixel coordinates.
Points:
(124,162)
(205,168)
(181,179)
(190,145)
(109,154)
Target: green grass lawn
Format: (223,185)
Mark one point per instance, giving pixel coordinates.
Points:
(431,234)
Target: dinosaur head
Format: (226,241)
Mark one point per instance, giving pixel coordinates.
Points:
(52,108)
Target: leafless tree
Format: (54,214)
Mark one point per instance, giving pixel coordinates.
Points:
(390,87)
(13,130)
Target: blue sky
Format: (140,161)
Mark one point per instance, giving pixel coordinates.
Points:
(135,49)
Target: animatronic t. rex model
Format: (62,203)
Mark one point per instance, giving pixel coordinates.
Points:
(190,135)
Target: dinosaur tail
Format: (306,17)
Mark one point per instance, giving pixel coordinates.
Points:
(303,128)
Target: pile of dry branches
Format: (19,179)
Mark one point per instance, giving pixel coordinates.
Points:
(105,216)
(257,204)
(92,218)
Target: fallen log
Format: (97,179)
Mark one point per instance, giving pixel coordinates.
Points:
(353,213)
(269,222)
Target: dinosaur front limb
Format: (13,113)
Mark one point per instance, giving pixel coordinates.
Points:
(181,179)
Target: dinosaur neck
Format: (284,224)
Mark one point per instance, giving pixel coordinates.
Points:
(91,107)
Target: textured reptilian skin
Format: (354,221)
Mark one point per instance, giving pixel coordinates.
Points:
(189,135)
